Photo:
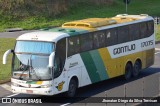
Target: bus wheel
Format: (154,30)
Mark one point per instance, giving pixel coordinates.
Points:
(128,71)
(136,69)
(72,88)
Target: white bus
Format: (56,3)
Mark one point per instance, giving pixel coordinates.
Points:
(80,53)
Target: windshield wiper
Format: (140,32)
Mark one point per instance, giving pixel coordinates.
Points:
(38,77)
(26,67)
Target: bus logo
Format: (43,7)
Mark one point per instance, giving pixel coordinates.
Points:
(60,86)
(29,85)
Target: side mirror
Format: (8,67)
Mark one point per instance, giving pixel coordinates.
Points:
(6,54)
(51,60)
(50,69)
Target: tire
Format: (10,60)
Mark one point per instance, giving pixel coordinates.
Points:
(136,69)
(128,71)
(72,88)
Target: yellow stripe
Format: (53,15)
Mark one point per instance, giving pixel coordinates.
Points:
(105,57)
(39,82)
(113,67)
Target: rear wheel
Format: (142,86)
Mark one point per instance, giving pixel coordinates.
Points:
(136,69)
(128,71)
(72,88)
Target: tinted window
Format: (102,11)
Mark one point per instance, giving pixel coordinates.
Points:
(86,42)
(150,28)
(123,35)
(60,57)
(61,49)
(73,45)
(134,31)
(143,29)
(111,37)
(98,39)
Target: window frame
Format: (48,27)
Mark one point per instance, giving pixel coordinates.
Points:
(112,30)
(121,37)
(132,37)
(86,35)
(100,43)
(69,48)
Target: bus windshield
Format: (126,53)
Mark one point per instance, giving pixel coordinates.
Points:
(30,61)
(34,47)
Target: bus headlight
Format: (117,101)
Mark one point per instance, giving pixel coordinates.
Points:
(46,86)
(14,84)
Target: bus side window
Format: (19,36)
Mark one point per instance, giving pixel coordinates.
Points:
(150,28)
(111,37)
(60,55)
(123,35)
(73,45)
(86,42)
(143,29)
(134,31)
(57,66)
(98,40)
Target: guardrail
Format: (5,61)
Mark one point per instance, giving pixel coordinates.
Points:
(157,20)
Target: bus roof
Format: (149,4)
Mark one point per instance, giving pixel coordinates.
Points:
(43,36)
(99,22)
(82,26)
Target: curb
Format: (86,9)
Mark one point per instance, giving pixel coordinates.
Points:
(13,29)
(5,81)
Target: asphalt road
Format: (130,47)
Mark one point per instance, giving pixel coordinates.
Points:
(13,34)
(89,91)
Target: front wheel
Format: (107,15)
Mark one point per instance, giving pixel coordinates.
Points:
(72,88)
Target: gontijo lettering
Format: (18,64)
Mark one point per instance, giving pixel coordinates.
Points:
(123,49)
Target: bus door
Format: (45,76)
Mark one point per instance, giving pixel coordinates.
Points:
(60,73)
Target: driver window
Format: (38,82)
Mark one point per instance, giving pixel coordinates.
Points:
(57,66)
(60,57)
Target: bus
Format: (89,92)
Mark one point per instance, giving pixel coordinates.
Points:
(82,52)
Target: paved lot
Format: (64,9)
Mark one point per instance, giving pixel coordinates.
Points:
(13,34)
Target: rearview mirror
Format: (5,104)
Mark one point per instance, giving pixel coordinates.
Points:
(51,59)
(6,54)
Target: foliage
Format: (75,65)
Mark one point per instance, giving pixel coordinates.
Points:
(157,32)
(42,14)
(25,8)
(5,70)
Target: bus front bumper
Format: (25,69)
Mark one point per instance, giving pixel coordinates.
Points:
(37,91)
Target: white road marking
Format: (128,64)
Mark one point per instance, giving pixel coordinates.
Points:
(157,53)
(7,87)
(157,48)
(65,104)
(13,95)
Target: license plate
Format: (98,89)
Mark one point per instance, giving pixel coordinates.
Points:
(29,91)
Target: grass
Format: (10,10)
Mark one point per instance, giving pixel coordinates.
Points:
(5,70)
(82,11)
(158,33)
